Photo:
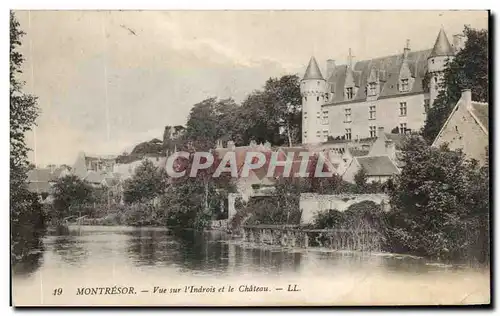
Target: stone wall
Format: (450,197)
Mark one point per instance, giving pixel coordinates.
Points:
(311,204)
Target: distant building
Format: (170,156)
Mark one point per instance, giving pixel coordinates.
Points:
(41,180)
(380,164)
(393,92)
(467,128)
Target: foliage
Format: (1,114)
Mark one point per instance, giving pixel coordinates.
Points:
(70,193)
(284,95)
(361,179)
(209,121)
(190,202)
(365,212)
(147,183)
(467,70)
(440,204)
(26,216)
(271,114)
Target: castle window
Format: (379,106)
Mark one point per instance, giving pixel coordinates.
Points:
(372,88)
(350,93)
(372,112)
(432,60)
(402,128)
(317,115)
(402,109)
(347,115)
(348,134)
(325,117)
(404,85)
(317,98)
(373,131)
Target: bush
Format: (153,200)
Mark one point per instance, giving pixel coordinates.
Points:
(440,204)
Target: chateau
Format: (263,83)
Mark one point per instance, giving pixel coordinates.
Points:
(356,100)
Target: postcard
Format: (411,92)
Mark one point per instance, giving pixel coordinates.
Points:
(249,158)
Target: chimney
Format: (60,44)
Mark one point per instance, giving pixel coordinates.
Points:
(380,131)
(330,67)
(467,96)
(230,145)
(407,49)
(390,149)
(219,143)
(458,42)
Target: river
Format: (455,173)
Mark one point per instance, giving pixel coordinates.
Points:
(150,259)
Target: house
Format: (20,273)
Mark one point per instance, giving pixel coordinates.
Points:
(380,164)
(41,180)
(259,181)
(467,128)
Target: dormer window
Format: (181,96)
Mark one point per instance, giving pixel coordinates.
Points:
(350,93)
(404,85)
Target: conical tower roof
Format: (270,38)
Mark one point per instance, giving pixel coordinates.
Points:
(312,71)
(442,46)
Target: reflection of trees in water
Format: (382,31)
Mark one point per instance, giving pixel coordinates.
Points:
(27,251)
(68,247)
(146,246)
(189,249)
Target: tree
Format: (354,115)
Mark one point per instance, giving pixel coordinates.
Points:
(209,121)
(205,193)
(468,70)
(440,204)
(147,183)
(70,194)
(26,216)
(284,95)
(361,180)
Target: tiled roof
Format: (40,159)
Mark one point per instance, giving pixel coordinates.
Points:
(480,111)
(377,166)
(312,71)
(39,187)
(39,175)
(396,138)
(442,46)
(95,177)
(388,72)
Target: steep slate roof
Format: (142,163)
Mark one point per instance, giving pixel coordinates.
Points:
(377,166)
(442,47)
(388,71)
(39,175)
(480,111)
(39,187)
(312,71)
(95,177)
(396,138)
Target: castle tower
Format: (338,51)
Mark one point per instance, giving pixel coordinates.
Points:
(313,91)
(436,63)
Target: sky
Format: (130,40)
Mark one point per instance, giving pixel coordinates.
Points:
(107,80)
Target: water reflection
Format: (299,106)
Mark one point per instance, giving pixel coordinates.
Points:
(27,249)
(193,252)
